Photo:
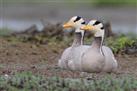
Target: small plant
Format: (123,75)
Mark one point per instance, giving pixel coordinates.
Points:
(26,81)
(120,43)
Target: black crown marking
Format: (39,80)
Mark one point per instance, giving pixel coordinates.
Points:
(78,18)
(96,23)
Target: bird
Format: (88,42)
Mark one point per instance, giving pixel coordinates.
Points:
(71,56)
(98,58)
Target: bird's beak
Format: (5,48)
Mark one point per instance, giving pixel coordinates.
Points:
(67,25)
(87,27)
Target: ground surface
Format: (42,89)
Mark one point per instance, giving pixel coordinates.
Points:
(42,59)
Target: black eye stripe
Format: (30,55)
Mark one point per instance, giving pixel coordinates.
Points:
(83,23)
(96,23)
(102,28)
(78,18)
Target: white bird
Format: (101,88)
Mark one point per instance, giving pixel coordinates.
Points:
(71,57)
(98,58)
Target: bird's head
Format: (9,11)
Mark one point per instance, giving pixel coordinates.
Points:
(75,22)
(96,27)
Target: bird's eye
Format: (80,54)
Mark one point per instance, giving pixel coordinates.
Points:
(83,23)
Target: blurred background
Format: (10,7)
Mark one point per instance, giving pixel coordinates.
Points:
(18,15)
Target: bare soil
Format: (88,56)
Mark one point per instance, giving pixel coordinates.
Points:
(43,59)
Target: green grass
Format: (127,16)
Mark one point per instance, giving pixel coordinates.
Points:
(26,81)
(115,2)
(121,42)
